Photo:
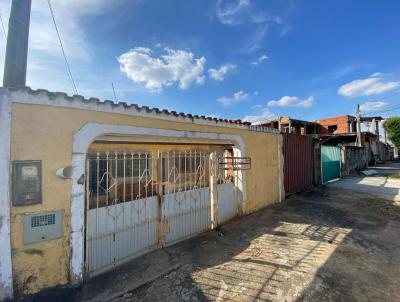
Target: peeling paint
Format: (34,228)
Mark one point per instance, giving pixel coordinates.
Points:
(34,252)
(6,285)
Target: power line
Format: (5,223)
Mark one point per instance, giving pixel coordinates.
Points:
(62,48)
(384,109)
(2,26)
(387,109)
(378,110)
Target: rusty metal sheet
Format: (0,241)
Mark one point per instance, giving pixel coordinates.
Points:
(298,162)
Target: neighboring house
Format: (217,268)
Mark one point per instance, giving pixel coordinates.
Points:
(342,131)
(338,124)
(290,125)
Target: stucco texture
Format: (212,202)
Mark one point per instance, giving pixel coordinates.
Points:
(46,133)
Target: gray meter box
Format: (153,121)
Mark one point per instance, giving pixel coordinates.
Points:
(42,226)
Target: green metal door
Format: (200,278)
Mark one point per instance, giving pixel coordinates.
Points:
(330,156)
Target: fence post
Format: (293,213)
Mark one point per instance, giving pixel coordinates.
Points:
(213,189)
(160,224)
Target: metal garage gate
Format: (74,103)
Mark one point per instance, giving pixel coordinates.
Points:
(298,162)
(136,203)
(186,202)
(330,158)
(122,208)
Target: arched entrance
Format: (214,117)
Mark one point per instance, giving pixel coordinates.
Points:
(138,200)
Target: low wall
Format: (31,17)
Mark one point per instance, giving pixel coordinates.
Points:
(353,160)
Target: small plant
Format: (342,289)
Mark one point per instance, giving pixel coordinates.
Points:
(394,175)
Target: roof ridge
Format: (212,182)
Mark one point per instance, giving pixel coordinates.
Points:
(139,108)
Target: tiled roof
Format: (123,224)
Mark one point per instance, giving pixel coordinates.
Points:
(140,109)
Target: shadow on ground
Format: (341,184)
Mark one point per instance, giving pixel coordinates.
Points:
(327,244)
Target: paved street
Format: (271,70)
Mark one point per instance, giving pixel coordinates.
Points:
(334,243)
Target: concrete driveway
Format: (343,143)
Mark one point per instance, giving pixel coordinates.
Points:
(379,186)
(334,243)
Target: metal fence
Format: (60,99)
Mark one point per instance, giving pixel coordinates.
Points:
(186,203)
(136,203)
(122,208)
(330,158)
(298,153)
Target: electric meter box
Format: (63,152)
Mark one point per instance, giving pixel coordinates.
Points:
(42,226)
(27,182)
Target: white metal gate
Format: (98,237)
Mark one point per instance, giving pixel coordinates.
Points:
(186,204)
(122,209)
(228,195)
(136,203)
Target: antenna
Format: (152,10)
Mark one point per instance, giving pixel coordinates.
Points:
(115,96)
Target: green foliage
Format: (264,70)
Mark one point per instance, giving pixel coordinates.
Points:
(392,127)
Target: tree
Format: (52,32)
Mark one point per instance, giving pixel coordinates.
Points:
(392,127)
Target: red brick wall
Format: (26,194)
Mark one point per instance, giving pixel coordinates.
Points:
(342,123)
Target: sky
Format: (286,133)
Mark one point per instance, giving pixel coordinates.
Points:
(245,59)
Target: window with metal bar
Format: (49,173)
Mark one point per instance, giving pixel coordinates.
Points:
(184,170)
(119,177)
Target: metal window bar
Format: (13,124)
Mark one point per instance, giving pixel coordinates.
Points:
(235,163)
(119,177)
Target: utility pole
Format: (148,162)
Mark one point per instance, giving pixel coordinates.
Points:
(358,116)
(17,44)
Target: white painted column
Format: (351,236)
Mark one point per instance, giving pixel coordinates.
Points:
(77,218)
(6,280)
(213,189)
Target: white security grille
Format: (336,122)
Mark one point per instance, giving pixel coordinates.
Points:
(122,208)
(136,202)
(186,207)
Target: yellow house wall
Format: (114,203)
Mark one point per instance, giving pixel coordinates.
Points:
(150,148)
(46,133)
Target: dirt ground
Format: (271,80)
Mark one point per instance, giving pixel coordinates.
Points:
(328,244)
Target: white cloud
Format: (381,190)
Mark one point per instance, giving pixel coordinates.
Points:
(376,74)
(157,72)
(236,12)
(265,114)
(260,59)
(372,106)
(369,86)
(220,73)
(285,30)
(293,101)
(255,40)
(231,14)
(237,97)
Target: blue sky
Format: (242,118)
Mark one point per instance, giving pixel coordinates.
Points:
(243,59)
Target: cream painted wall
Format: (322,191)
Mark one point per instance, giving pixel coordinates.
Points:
(46,133)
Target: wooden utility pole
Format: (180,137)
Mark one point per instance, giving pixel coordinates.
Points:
(358,116)
(17,44)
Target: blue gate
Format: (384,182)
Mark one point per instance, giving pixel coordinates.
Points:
(330,157)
